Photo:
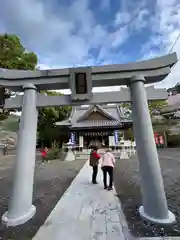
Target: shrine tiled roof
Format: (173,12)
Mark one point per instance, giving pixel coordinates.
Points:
(96,124)
(114,113)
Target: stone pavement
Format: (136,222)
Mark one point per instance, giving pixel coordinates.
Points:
(160,238)
(85,212)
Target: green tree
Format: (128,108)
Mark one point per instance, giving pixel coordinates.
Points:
(153,105)
(156,105)
(160,123)
(129,134)
(14,56)
(175,89)
(47,132)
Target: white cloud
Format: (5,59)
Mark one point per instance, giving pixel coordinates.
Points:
(42,66)
(47,32)
(133,14)
(141,20)
(166,27)
(117,36)
(63,36)
(122,18)
(136,20)
(105,4)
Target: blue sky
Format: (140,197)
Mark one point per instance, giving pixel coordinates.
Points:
(67,33)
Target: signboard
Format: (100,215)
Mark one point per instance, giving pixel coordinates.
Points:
(73,139)
(156,140)
(156,137)
(161,140)
(81,141)
(2,96)
(116,137)
(81,83)
(155,134)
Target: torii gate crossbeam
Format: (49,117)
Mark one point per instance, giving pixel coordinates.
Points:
(123,95)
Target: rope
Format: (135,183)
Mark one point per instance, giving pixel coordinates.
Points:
(174,43)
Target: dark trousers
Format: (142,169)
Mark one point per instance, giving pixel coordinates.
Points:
(43,159)
(110,171)
(94,174)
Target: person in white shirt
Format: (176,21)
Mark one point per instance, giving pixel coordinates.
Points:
(107,165)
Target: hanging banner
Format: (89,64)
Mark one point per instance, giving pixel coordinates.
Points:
(81,141)
(161,140)
(116,137)
(73,138)
(155,134)
(156,137)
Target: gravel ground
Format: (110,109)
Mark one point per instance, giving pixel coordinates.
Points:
(128,190)
(51,181)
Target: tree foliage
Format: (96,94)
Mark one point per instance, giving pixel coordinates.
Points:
(14,56)
(175,89)
(160,123)
(47,132)
(154,106)
(129,134)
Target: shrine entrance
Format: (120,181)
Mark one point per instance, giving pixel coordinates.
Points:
(99,139)
(102,125)
(81,80)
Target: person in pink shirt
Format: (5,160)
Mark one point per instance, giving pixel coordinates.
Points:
(107,165)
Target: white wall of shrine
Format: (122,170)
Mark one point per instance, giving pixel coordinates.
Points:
(112,141)
(81,141)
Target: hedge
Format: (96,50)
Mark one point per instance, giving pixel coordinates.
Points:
(173,140)
(53,154)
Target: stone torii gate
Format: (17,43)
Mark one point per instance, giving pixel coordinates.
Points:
(80,81)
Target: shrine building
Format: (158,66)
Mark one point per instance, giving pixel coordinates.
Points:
(100,125)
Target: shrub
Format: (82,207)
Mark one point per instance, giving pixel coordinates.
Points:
(173,140)
(53,154)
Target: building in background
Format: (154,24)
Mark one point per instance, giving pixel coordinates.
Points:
(173,108)
(100,125)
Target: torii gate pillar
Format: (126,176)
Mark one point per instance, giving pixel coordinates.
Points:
(20,206)
(154,206)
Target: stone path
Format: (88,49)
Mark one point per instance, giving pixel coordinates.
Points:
(85,212)
(160,238)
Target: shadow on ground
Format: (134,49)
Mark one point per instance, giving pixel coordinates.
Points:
(128,190)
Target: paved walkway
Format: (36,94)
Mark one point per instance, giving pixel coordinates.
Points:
(85,212)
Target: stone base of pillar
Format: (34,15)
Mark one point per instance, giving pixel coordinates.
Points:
(171,219)
(12,222)
(70,156)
